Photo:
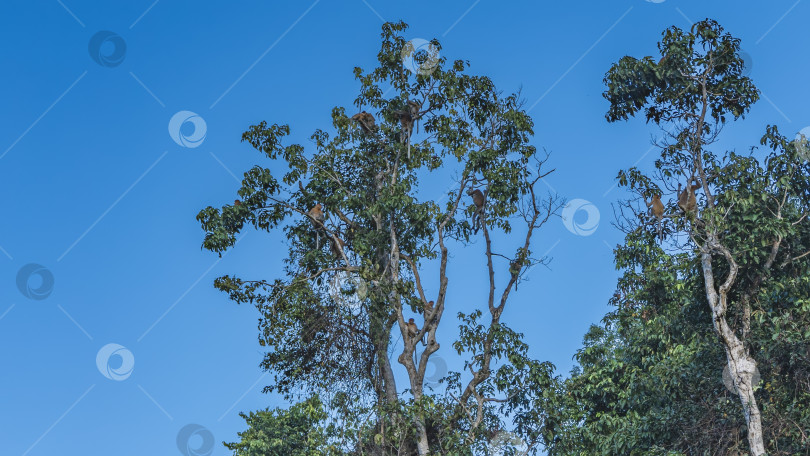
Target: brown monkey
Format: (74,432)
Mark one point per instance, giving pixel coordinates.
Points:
(687,200)
(413,109)
(479,200)
(237,203)
(407,118)
(656,208)
(317,217)
(413,330)
(365,120)
(337,247)
(429,308)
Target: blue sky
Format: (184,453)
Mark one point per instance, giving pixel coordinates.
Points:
(95,189)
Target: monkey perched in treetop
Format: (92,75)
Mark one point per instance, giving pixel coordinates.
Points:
(317,217)
(687,200)
(407,118)
(365,120)
(479,200)
(656,209)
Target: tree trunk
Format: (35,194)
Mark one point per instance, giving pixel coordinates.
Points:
(741,366)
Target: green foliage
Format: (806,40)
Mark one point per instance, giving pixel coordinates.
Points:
(325,337)
(296,431)
(649,381)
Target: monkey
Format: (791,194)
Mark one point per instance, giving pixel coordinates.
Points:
(515,267)
(237,203)
(656,208)
(413,330)
(337,247)
(429,308)
(479,199)
(317,217)
(407,118)
(365,120)
(687,200)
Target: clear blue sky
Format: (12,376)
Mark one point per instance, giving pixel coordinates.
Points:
(95,190)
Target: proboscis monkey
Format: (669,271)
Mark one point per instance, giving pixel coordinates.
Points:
(656,208)
(429,308)
(479,200)
(413,330)
(687,200)
(317,217)
(407,118)
(337,247)
(365,120)
(237,203)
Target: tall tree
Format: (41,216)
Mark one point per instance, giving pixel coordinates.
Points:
(372,240)
(740,218)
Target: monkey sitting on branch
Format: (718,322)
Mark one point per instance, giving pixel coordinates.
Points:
(479,199)
(317,217)
(365,120)
(413,331)
(407,118)
(687,200)
(656,210)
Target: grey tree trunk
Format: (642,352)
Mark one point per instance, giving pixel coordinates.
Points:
(741,365)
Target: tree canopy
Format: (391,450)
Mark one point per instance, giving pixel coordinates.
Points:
(706,352)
